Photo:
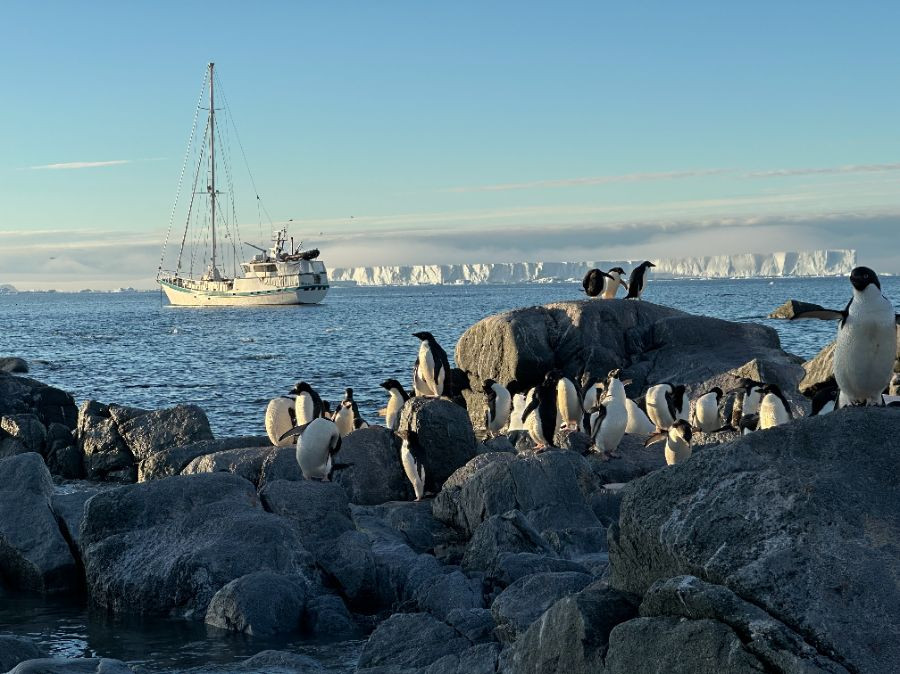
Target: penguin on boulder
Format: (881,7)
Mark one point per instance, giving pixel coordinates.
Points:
(774,409)
(499,406)
(637,280)
(433,366)
(616,279)
(539,415)
(317,444)
(396,400)
(308,404)
(594,281)
(280,418)
(678,442)
(666,403)
(412,456)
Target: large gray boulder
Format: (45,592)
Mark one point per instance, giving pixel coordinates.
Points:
(105,454)
(410,641)
(244,461)
(375,474)
(572,635)
(793,307)
(524,601)
(21,395)
(280,464)
(653,343)
(478,659)
(445,434)
(172,461)
(320,511)
(498,535)
(72,666)
(14,650)
(69,510)
(412,521)
(34,556)
(146,434)
(259,604)
(63,456)
(167,546)
(13,365)
(27,429)
(794,520)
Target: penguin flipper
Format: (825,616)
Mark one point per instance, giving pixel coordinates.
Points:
(656,437)
(531,407)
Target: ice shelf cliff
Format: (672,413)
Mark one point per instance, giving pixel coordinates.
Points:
(745,265)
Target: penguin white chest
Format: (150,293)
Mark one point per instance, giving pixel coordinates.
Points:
(638,422)
(707,413)
(614,424)
(658,406)
(751,402)
(343,419)
(415,472)
(305,408)
(677,450)
(502,407)
(568,403)
(394,407)
(519,404)
(772,412)
(314,449)
(865,350)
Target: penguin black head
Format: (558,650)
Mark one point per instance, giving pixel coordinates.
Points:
(618,270)
(389,384)
(424,336)
(614,374)
(861,277)
(647,263)
(717,391)
(348,394)
(552,377)
(302,387)
(488,385)
(683,428)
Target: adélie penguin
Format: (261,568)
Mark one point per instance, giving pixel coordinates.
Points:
(866,340)
(824,401)
(358,421)
(433,366)
(638,421)
(568,403)
(317,443)
(590,393)
(539,415)
(615,278)
(308,403)
(397,397)
(608,428)
(280,418)
(774,409)
(343,418)
(412,456)
(666,403)
(707,416)
(678,442)
(637,280)
(521,396)
(593,282)
(499,406)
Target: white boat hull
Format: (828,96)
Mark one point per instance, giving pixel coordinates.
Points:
(184,297)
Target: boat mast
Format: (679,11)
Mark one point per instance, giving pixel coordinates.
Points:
(212,166)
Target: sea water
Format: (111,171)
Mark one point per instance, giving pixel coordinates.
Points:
(134,349)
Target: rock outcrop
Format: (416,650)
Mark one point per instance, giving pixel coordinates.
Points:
(793,307)
(800,521)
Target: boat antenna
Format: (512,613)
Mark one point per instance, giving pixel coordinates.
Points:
(212,164)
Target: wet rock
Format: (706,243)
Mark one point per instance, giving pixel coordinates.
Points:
(775,645)
(155,431)
(12,364)
(791,520)
(654,343)
(14,650)
(34,556)
(168,462)
(572,635)
(410,641)
(281,662)
(167,546)
(69,511)
(327,617)
(245,461)
(445,434)
(349,562)
(27,429)
(375,474)
(258,604)
(793,307)
(525,601)
(72,666)
(104,451)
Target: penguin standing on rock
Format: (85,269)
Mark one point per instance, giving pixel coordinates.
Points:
(539,416)
(707,417)
(866,340)
(747,404)
(678,442)
(317,443)
(499,406)
(397,399)
(433,367)
(774,409)
(824,402)
(616,279)
(590,393)
(638,421)
(308,403)
(637,281)
(412,456)
(358,421)
(343,418)
(593,282)
(521,396)
(568,403)
(666,404)
(608,428)
(280,418)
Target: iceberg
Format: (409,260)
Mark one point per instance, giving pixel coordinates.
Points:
(744,265)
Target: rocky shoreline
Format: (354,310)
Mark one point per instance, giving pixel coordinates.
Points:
(776,552)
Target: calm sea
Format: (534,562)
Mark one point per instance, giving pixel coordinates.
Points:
(134,349)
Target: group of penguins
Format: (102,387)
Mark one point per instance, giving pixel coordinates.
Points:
(863,364)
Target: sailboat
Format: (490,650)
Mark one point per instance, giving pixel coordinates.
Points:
(280,274)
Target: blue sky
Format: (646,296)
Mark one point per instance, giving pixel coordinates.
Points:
(452,132)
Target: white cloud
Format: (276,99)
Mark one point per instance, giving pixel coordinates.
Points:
(80,165)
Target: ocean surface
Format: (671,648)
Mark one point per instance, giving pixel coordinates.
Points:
(134,349)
